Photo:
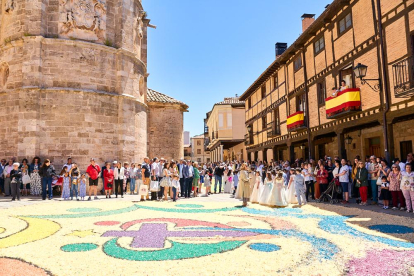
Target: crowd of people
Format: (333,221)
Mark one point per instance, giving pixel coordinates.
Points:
(274,183)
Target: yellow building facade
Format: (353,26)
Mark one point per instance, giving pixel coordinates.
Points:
(224,130)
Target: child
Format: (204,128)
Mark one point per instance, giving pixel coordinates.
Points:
(66,186)
(254,198)
(300,187)
(207,183)
(236,182)
(385,192)
(82,188)
(277,197)
(228,182)
(175,184)
(267,188)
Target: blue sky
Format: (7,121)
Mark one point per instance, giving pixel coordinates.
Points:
(205,50)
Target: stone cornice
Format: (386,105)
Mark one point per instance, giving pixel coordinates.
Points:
(75,43)
(61,89)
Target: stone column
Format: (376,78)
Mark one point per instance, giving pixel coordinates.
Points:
(221,153)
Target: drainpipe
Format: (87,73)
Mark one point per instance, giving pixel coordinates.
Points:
(310,144)
(384,84)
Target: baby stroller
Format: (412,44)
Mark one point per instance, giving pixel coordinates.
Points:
(332,193)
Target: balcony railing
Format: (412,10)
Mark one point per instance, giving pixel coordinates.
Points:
(296,121)
(403,75)
(273,132)
(248,139)
(346,101)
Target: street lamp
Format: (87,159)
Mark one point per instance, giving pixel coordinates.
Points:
(360,72)
(302,147)
(348,140)
(249,128)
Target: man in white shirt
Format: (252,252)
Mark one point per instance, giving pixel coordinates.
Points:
(344,179)
(397,162)
(310,186)
(69,164)
(155,173)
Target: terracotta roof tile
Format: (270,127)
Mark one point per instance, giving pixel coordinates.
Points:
(158,97)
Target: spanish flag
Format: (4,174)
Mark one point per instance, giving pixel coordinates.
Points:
(347,100)
(295,120)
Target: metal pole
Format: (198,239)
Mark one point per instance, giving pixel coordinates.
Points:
(384,84)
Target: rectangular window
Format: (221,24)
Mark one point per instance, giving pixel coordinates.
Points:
(297,63)
(198,143)
(199,160)
(347,74)
(345,23)
(229,120)
(264,122)
(321,92)
(199,151)
(275,82)
(319,45)
(249,103)
(220,120)
(263,91)
(276,121)
(301,103)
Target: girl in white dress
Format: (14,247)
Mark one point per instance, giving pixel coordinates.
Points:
(229,182)
(290,192)
(277,195)
(266,190)
(254,198)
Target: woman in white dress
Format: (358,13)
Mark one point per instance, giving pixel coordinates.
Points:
(290,192)
(266,189)
(254,198)
(229,182)
(277,195)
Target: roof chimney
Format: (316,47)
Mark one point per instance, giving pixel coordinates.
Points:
(280,48)
(307,20)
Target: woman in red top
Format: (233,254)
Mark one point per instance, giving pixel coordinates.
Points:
(108,179)
(322,177)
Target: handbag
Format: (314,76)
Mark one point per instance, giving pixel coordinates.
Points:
(143,190)
(26,179)
(154,186)
(379,181)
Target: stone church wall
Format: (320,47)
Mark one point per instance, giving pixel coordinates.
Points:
(165,131)
(71,80)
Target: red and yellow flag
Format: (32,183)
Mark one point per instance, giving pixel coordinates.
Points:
(295,120)
(349,99)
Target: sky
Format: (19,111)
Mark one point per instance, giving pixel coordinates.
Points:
(205,50)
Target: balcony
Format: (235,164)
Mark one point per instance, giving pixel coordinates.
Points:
(273,132)
(296,121)
(248,140)
(403,75)
(345,102)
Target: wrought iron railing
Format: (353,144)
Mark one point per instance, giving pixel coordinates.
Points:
(403,75)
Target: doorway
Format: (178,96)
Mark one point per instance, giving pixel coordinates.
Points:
(321,151)
(374,146)
(405,148)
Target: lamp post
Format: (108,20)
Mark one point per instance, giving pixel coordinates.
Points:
(360,72)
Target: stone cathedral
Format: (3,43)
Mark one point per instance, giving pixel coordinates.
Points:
(73,82)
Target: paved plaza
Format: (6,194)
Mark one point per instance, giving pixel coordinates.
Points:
(201,236)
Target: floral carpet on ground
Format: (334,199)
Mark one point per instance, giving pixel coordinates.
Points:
(131,238)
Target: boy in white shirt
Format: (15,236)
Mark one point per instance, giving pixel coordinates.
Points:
(300,187)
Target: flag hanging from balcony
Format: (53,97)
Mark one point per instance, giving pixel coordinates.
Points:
(345,101)
(295,121)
